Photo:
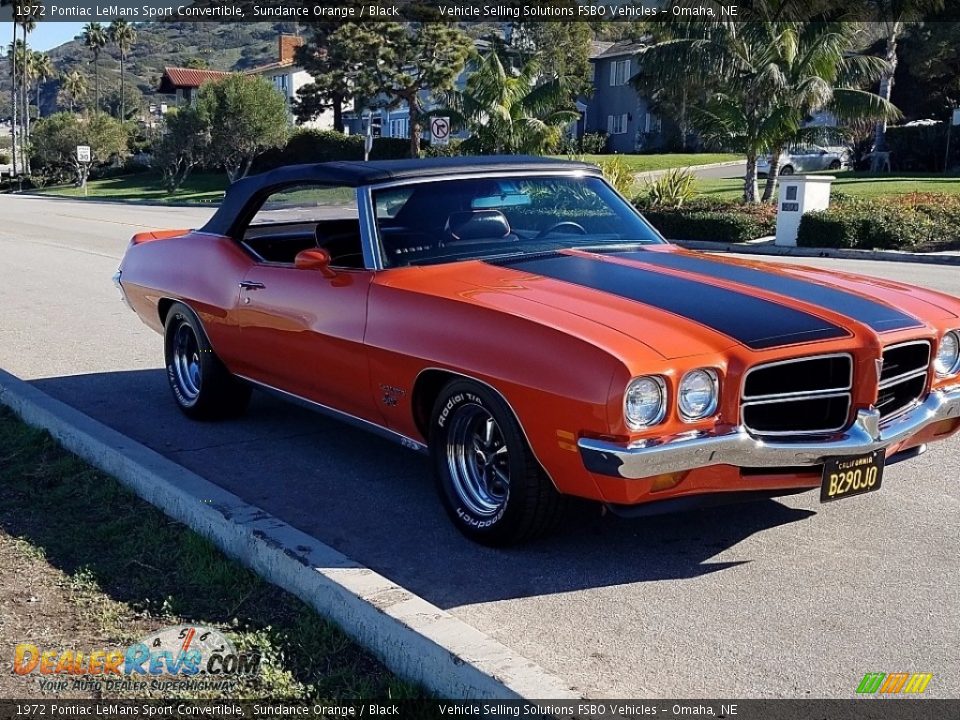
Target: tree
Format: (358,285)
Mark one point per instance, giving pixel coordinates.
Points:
(27,19)
(331,69)
(123,36)
(245,116)
(403,62)
(95,39)
(56,137)
(13,90)
(507,112)
(562,51)
(895,15)
(75,86)
(768,74)
(40,70)
(181,147)
(928,73)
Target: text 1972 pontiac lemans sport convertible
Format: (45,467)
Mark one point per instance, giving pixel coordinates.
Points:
(520,321)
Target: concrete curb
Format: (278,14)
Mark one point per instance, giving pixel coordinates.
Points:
(845,254)
(150,203)
(417,640)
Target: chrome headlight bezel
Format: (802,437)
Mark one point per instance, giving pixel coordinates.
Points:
(661,387)
(953,368)
(713,380)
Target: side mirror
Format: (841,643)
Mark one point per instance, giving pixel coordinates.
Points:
(315,259)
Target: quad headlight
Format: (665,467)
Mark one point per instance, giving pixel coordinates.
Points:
(948,354)
(645,402)
(698,394)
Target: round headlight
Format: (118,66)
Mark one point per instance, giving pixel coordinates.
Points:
(645,401)
(948,354)
(697,397)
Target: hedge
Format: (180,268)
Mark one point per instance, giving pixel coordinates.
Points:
(714,220)
(921,148)
(313,146)
(908,222)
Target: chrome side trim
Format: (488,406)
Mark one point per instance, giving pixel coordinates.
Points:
(739,448)
(358,422)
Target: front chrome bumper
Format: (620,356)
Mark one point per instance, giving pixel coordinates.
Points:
(737,447)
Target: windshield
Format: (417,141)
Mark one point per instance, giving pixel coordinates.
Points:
(450,220)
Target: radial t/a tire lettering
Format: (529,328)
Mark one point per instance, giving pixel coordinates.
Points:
(489,481)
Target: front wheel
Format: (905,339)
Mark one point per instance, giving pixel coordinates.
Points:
(786,171)
(834,165)
(490,483)
(201,385)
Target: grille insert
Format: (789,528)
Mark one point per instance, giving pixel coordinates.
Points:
(798,397)
(903,378)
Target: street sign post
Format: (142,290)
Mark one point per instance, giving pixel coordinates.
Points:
(440,131)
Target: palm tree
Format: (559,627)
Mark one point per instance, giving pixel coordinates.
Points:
(41,70)
(95,38)
(508,112)
(768,75)
(123,36)
(14,92)
(27,20)
(75,86)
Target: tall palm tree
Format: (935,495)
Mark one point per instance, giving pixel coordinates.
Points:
(95,38)
(768,75)
(508,112)
(75,86)
(123,36)
(41,70)
(14,92)
(26,18)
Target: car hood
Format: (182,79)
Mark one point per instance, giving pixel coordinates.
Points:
(681,303)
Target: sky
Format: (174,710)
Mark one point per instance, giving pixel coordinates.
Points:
(47,34)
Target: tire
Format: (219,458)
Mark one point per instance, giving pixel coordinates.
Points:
(489,481)
(786,170)
(834,165)
(202,387)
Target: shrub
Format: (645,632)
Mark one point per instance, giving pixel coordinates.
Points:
(593,143)
(920,148)
(711,220)
(618,173)
(672,189)
(908,222)
(451,149)
(315,146)
(4,158)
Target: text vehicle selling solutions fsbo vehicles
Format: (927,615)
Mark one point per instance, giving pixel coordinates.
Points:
(519,321)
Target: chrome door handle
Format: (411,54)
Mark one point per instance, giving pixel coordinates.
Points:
(250,285)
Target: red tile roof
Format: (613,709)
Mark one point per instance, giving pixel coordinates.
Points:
(178,77)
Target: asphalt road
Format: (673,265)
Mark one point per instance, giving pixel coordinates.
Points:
(778,598)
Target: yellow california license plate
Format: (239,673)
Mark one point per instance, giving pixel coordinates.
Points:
(849,476)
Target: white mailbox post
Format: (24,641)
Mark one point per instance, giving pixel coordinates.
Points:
(799,194)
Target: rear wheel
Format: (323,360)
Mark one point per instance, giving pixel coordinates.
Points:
(202,387)
(835,165)
(490,483)
(786,170)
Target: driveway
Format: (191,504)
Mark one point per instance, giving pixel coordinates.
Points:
(778,598)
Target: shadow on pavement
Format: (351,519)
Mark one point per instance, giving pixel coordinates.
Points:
(375,501)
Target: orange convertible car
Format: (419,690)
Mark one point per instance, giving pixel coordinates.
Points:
(518,320)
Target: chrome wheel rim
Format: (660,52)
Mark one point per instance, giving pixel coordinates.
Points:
(186,362)
(478,460)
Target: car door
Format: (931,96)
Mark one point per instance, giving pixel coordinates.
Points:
(302,329)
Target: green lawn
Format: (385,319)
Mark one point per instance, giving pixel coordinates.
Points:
(645,163)
(848,183)
(198,188)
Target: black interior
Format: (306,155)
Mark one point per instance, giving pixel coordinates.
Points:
(280,242)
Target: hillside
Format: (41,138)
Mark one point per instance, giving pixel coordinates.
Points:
(228,46)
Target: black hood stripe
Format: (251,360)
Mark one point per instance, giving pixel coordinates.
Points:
(874,314)
(754,322)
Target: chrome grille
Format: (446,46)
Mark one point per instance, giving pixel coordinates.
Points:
(903,377)
(810,395)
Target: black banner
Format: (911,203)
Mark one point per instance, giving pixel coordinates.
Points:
(854,709)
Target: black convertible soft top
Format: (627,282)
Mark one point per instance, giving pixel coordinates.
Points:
(357,173)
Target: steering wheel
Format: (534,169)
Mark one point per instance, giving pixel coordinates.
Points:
(569,225)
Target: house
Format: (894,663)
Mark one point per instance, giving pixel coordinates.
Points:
(183,83)
(616,107)
(288,77)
